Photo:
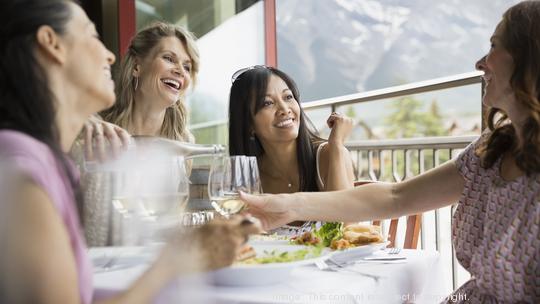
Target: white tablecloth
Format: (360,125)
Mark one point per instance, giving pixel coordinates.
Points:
(418,280)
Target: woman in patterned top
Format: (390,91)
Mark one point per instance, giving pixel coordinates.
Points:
(496,179)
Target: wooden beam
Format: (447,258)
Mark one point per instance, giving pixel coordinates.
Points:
(126,24)
(270,33)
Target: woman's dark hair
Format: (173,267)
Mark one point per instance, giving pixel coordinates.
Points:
(26,101)
(247,96)
(521,38)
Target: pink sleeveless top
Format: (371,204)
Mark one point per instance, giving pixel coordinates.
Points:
(36,160)
(496,234)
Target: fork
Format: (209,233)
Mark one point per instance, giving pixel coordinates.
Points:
(394,250)
(322,265)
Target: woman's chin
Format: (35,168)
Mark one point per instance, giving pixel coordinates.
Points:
(109,102)
(487,100)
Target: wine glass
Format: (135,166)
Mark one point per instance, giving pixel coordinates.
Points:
(150,193)
(254,177)
(229,175)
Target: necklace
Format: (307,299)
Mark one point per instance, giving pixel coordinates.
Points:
(277,175)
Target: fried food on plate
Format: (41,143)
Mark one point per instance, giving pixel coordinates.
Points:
(306,238)
(335,236)
(358,234)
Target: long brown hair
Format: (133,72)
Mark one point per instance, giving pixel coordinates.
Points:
(175,121)
(521,38)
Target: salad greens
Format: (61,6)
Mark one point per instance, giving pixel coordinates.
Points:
(285,256)
(328,232)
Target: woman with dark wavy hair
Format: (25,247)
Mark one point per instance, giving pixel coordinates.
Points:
(496,180)
(54,74)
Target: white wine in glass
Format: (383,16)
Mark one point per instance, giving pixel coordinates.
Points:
(151,189)
(157,205)
(228,176)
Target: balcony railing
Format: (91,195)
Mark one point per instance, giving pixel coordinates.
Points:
(396,160)
(435,84)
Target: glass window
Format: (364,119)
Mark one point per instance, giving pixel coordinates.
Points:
(230,36)
(338,47)
(200,16)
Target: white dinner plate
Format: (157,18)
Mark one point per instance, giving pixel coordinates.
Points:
(356,253)
(263,274)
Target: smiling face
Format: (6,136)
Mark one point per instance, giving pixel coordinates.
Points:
(165,74)
(88,62)
(279,118)
(498,67)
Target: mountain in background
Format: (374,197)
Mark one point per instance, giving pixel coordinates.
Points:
(339,47)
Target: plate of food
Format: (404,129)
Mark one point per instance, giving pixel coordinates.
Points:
(346,242)
(267,262)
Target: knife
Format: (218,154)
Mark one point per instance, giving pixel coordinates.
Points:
(384,258)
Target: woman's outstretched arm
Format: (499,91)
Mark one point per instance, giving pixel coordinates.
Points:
(433,189)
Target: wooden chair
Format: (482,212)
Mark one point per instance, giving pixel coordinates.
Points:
(414,223)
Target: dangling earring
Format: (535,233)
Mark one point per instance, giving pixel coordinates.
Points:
(136,83)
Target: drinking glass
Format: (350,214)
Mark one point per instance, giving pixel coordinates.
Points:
(152,189)
(229,175)
(150,193)
(254,177)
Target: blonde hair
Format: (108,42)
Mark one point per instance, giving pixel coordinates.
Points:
(175,122)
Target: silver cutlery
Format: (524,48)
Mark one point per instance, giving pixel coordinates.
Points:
(393,250)
(391,255)
(384,258)
(338,267)
(403,261)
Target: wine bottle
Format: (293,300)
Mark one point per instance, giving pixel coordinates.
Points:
(187,150)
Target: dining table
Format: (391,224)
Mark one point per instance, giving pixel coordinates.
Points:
(417,278)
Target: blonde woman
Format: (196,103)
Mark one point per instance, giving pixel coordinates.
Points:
(160,66)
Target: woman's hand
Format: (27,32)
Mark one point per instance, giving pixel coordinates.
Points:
(341,128)
(272,210)
(103,140)
(211,246)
